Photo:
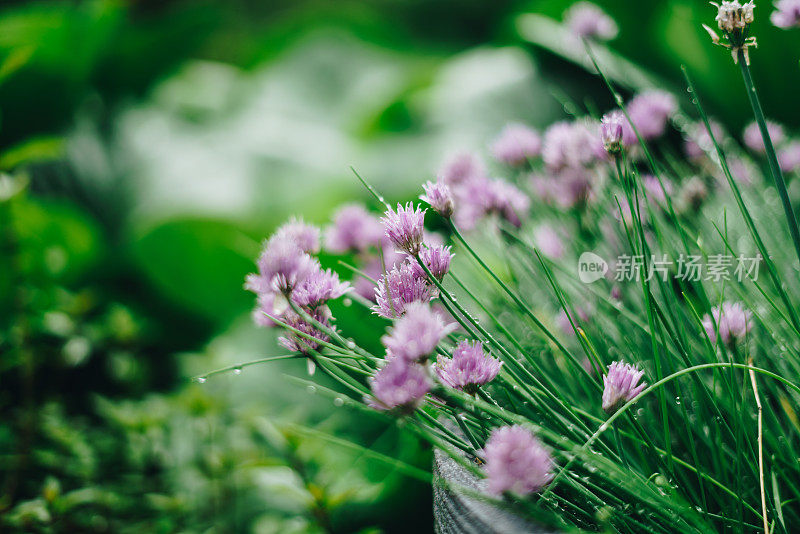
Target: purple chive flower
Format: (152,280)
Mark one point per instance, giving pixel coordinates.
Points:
(416,334)
(439,197)
(621,384)
(436,259)
(474,201)
(397,289)
(481,197)
(296,342)
(786,14)
(570,144)
(699,142)
(612,128)
(375,267)
(405,227)
(588,21)
(353,229)
(469,368)
(285,269)
(281,266)
(432,239)
(318,288)
(573,188)
(304,235)
(270,303)
(549,242)
(460,168)
(288,264)
(517,145)
(469,214)
(508,201)
(399,385)
(650,111)
(567,189)
(516,461)
(654,189)
(557,145)
(789,157)
(732,321)
(754,141)
(741,170)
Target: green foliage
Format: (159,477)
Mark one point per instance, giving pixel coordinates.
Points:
(79,456)
(199,264)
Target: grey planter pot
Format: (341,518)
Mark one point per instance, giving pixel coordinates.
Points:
(455,513)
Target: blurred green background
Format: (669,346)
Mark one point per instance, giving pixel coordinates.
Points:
(148,146)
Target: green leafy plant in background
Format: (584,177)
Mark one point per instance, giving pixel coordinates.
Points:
(87,460)
(103,314)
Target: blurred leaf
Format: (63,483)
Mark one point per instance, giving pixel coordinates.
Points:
(200,264)
(28,513)
(274,524)
(86,496)
(283,487)
(27,25)
(15,60)
(11,186)
(547,33)
(32,151)
(55,238)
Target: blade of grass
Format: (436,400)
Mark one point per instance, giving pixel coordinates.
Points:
(742,207)
(772,159)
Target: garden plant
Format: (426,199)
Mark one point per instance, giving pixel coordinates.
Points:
(608,335)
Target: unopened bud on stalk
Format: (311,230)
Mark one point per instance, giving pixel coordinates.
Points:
(611,129)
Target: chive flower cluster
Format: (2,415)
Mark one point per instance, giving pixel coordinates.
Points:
(407,281)
(516,462)
(519,367)
(728,323)
(404,294)
(292,287)
(517,145)
(788,148)
(620,385)
(786,14)
(469,368)
(587,21)
(407,376)
(477,196)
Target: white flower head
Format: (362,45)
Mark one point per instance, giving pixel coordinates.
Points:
(734,19)
(733,16)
